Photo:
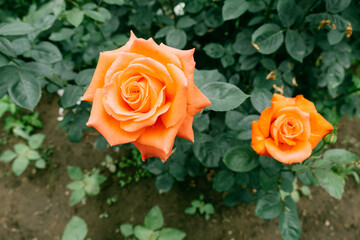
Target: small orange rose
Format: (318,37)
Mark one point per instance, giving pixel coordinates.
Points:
(289,129)
(144,93)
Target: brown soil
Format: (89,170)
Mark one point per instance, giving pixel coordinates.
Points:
(36,206)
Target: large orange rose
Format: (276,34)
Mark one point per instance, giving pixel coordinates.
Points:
(289,129)
(144,93)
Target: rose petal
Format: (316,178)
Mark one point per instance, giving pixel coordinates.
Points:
(286,154)
(108,126)
(197,101)
(157,141)
(258,139)
(319,128)
(150,48)
(304,104)
(265,121)
(98,80)
(179,102)
(121,63)
(132,126)
(186,130)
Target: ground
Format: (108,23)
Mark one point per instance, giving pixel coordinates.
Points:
(36,206)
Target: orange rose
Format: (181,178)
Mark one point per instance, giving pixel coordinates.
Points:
(289,130)
(144,93)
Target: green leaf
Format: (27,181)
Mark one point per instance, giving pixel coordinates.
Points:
(203,77)
(21,149)
(75,185)
(322,163)
(190,210)
(94,15)
(76,196)
(330,182)
(142,233)
(46,52)
(234,8)
(26,91)
(35,141)
(214,50)
(116,2)
(177,170)
(171,234)
(7,48)
(335,6)
(75,173)
(340,156)
(227,60)
(185,22)
(21,45)
(19,165)
(61,35)
(154,219)
(126,230)
(16,28)
(289,222)
(7,156)
(75,229)
(300,168)
(223,96)
(176,38)
(164,182)
(287,12)
(75,16)
(268,38)
(40,70)
(223,181)
(269,206)
(241,159)
(92,185)
(33,155)
(84,77)
(334,36)
(261,99)
(295,45)
(335,75)
(243,44)
(71,96)
(40,163)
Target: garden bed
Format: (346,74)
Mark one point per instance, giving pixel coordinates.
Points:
(36,206)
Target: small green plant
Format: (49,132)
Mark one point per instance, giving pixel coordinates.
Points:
(152,228)
(296,190)
(201,207)
(127,170)
(84,183)
(24,154)
(17,120)
(112,200)
(76,228)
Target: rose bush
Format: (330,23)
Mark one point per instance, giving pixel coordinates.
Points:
(144,93)
(289,129)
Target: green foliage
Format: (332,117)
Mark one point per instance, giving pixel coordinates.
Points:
(25,154)
(199,206)
(76,229)
(152,229)
(127,169)
(83,183)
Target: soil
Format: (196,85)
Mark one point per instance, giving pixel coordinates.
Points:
(35,206)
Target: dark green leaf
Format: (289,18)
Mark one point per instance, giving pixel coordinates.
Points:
(94,15)
(26,91)
(289,222)
(243,44)
(214,50)
(75,173)
(164,182)
(269,206)
(16,28)
(261,99)
(330,182)
(46,52)
(268,38)
(7,48)
(61,35)
(21,45)
(76,196)
(335,6)
(340,156)
(223,96)
(287,12)
(71,96)
(75,16)
(241,159)
(176,38)
(234,8)
(223,181)
(185,22)
(295,45)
